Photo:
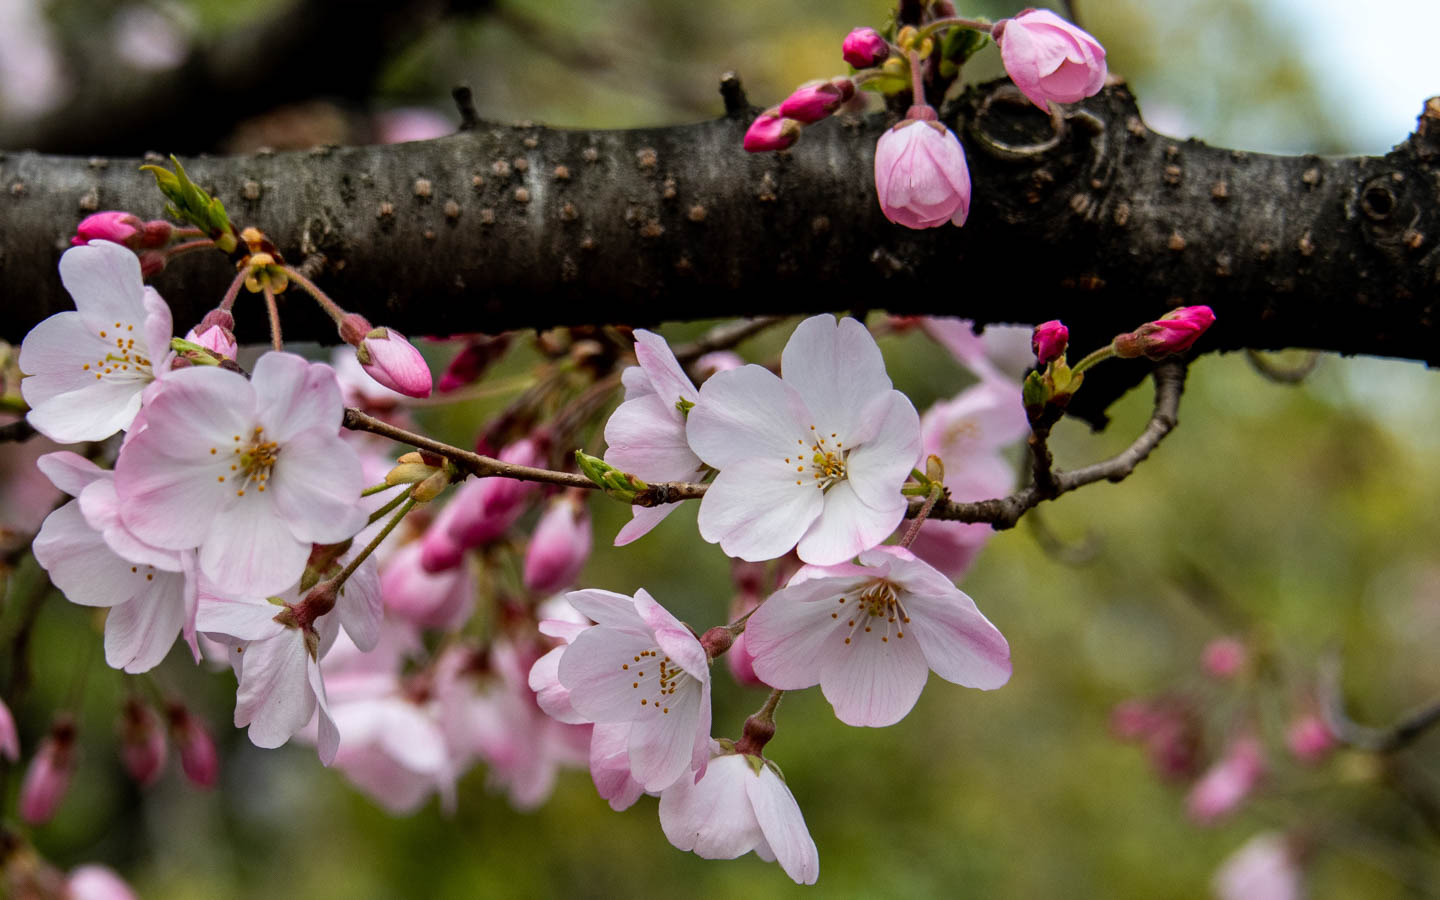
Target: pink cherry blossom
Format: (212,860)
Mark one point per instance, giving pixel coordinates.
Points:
(95,882)
(559,547)
(87,368)
(47,779)
(640,666)
(1049,59)
(870,634)
(740,804)
(250,472)
(771,131)
(1000,352)
(816,101)
(1227,783)
(9,735)
(815,457)
(969,433)
(1224,657)
(864,47)
(921,176)
(95,560)
(645,436)
(442,599)
(394,362)
(484,508)
(1266,867)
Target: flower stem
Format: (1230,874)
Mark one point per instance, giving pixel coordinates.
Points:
(332,309)
(1100,355)
(274,310)
(232,291)
(376,488)
(917,78)
(936,489)
(955,22)
(187,247)
(350,567)
(380,513)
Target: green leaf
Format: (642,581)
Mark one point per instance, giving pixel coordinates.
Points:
(962,43)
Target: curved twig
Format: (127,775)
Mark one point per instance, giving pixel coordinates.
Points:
(1363,737)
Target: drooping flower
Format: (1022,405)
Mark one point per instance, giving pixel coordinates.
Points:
(95,560)
(1049,59)
(645,436)
(198,758)
(1266,867)
(48,777)
(142,742)
(250,472)
(640,666)
(740,804)
(559,547)
(87,368)
(815,457)
(969,434)
(870,634)
(921,176)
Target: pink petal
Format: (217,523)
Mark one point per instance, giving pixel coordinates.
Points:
(248,551)
(328,741)
(104,280)
(847,525)
(643,438)
(837,369)
(747,412)
(274,697)
(794,631)
(101,508)
(140,632)
(713,817)
(361,606)
(784,826)
(754,509)
(240,620)
(316,484)
(600,689)
(667,378)
(70,472)
(80,564)
(642,519)
(607,608)
(874,683)
(292,395)
(610,766)
(662,744)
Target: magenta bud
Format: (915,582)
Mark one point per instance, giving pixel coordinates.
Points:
(439,552)
(1309,739)
(156,234)
(1172,333)
(48,777)
(9,735)
(142,743)
(483,509)
(472,361)
(560,546)
(1223,658)
(114,226)
(391,360)
(771,131)
(1049,341)
(152,262)
(717,640)
(198,759)
(813,102)
(864,47)
(353,328)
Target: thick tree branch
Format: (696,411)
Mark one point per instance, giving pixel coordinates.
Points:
(311,48)
(1104,225)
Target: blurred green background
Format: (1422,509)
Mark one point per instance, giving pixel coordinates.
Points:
(1301,517)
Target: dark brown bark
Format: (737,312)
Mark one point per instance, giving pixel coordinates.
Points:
(1105,224)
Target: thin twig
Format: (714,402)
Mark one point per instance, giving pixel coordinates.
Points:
(1363,737)
(465,103)
(723,337)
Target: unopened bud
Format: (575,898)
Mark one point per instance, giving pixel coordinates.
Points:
(1172,333)
(48,777)
(864,47)
(9,736)
(1223,658)
(391,360)
(117,227)
(472,361)
(152,262)
(1049,341)
(142,742)
(1309,739)
(935,469)
(813,102)
(771,131)
(198,759)
(559,547)
(717,640)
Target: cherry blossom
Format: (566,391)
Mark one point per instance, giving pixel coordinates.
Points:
(95,882)
(559,547)
(95,560)
(921,177)
(646,434)
(1227,783)
(816,456)
(198,758)
(87,368)
(1266,867)
(442,599)
(1049,58)
(740,804)
(250,472)
(640,667)
(9,736)
(47,779)
(870,634)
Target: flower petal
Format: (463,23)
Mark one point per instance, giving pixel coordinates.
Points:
(874,683)
(755,509)
(877,468)
(847,526)
(747,412)
(140,632)
(292,395)
(658,361)
(784,826)
(274,698)
(316,484)
(793,632)
(837,369)
(644,438)
(249,550)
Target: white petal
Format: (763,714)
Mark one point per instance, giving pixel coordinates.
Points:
(607,608)
(239,619)
(874,683)
(249,550)
(361,606)
(643,438)
(662,743)
(292,395)
(140,632)
(794,631)
(713,817)
(594,670)
(274,698)
(879,467)
(80,564)
(642,519)
(837,369)
(328,740)
(666,376)
(958,642)
(847,525)
(104,279)
(755,510)
(784,826)
(90,414)
(316,484)
(748,412)
(69,471)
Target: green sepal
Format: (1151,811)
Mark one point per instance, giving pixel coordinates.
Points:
(189,203)
(962,43)
(618,484)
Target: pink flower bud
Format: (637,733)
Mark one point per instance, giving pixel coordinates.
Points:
(388,358)
(1132,719)
(864,47)
(48,777)
(1227,783)
(152,262)
(142,743)
(216,332)
(738,659)
(483,509)
(717,361)
(116,227)
(198,759)
(1049,341)
(560,546)
(438,551)
(156,234)
(920,175)
(1050,59)
(1309,739)
(813,102)
(353,328)
(9,735)
(94,882)
(1224,657)
(472,361)
(1172,333)
(771,131)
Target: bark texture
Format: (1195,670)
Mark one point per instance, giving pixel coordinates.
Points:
(1100,222)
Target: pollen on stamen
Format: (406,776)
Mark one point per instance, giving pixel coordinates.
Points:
(847,640)
(635,685)
(134,568)
(219,477)
(625,666)
(150,576)
(642,701)
(883,638)
(87,366)
(240,493)
(102,334)
(212,451)
(117,324)
(834,615)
